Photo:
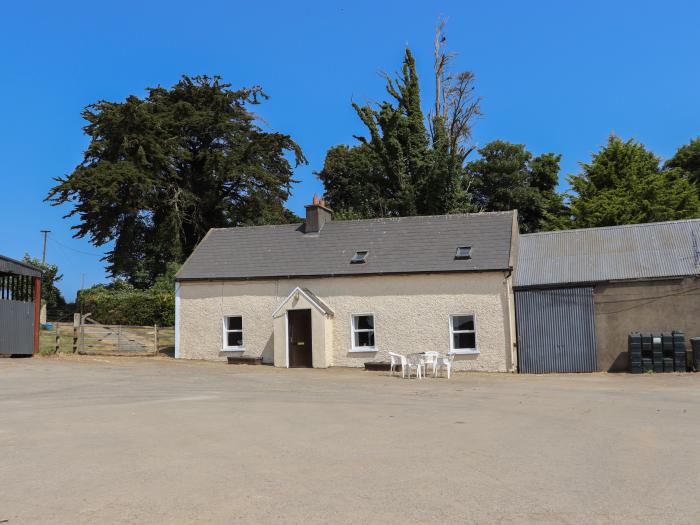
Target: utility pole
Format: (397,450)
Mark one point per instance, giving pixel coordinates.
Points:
(82,301)
(46,234)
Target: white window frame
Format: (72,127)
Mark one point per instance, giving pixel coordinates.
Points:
(463,351)
(225,331)
(362,349)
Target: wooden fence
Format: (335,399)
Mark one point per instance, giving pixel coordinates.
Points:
(99,339)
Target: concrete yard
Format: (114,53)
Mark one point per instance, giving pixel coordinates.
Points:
(126,440)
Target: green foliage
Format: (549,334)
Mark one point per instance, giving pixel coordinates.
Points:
(50,294)
(354,183)
(507,177)
(625,184)
(121,303)
(161,171)
(687,158)
(400,169)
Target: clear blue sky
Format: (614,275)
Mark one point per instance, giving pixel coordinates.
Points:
(557,76)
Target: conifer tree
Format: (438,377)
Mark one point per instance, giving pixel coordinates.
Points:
(625,184)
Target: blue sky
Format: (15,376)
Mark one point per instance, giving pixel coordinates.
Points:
(557,76)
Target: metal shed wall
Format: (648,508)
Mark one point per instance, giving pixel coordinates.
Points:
(20,302)
(556,330)
(16,327)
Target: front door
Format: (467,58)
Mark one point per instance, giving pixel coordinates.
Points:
(299,331)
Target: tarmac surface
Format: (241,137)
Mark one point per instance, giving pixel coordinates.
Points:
(159,441)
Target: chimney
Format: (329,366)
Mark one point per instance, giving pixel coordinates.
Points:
(316,216)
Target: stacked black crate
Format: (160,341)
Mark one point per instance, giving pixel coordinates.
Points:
(667,344)
(657,352)
(635,352)
(647,356)
(679,356)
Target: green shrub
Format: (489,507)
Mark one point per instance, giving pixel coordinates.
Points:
(120,303)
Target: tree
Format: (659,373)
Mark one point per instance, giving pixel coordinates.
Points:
(354,181)
(625,184)
(451,123)
(161,171)
(687,158)
(50,294)
(508,177)
(120,303)
(403,167)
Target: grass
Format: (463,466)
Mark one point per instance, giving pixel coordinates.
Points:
(47,341)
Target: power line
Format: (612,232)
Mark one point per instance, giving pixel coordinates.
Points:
(77,251)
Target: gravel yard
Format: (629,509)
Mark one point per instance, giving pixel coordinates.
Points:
(128,440)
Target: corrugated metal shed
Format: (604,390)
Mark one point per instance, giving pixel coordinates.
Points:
(639,251)
(19,307)
(396,245)
(8,265)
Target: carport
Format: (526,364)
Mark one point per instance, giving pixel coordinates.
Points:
(20,301)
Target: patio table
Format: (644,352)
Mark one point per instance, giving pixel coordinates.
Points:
(417,360)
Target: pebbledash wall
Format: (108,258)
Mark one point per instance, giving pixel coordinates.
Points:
(411,314)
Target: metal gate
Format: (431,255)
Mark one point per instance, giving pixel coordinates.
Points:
(556,330)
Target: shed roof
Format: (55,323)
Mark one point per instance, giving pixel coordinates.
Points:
(637,251)
(8,265)
(424,244)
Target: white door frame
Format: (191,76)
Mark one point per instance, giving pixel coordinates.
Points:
(286,338)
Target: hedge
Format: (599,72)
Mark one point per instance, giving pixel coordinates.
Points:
(123,304)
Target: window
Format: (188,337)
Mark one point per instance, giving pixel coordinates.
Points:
(463,334)
(363,332)
(233,332)
(463,252)
(360,257)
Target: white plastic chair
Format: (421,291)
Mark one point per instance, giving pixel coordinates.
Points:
(396,361)
(444,362)
(415,362)
(430,358)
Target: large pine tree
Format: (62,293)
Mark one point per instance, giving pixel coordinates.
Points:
(402,167)
(159,172)
(508,177)
(625,184)
(687,159)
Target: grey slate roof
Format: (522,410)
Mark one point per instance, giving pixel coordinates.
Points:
(639,251)
(9,265)
(397,245)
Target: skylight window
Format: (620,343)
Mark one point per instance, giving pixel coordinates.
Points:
(360,257)
(463,252)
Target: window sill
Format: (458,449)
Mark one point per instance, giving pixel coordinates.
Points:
(233,349)
(471,351)
(363,350)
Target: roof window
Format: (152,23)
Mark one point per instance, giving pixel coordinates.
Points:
(463,252)
(360,257)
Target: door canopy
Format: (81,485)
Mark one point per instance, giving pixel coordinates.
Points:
(292,298)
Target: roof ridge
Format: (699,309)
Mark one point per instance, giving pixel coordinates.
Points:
(447,216)
(259,226)
(615,227)
(420,217)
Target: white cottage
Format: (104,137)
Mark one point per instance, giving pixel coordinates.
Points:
(342,293)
